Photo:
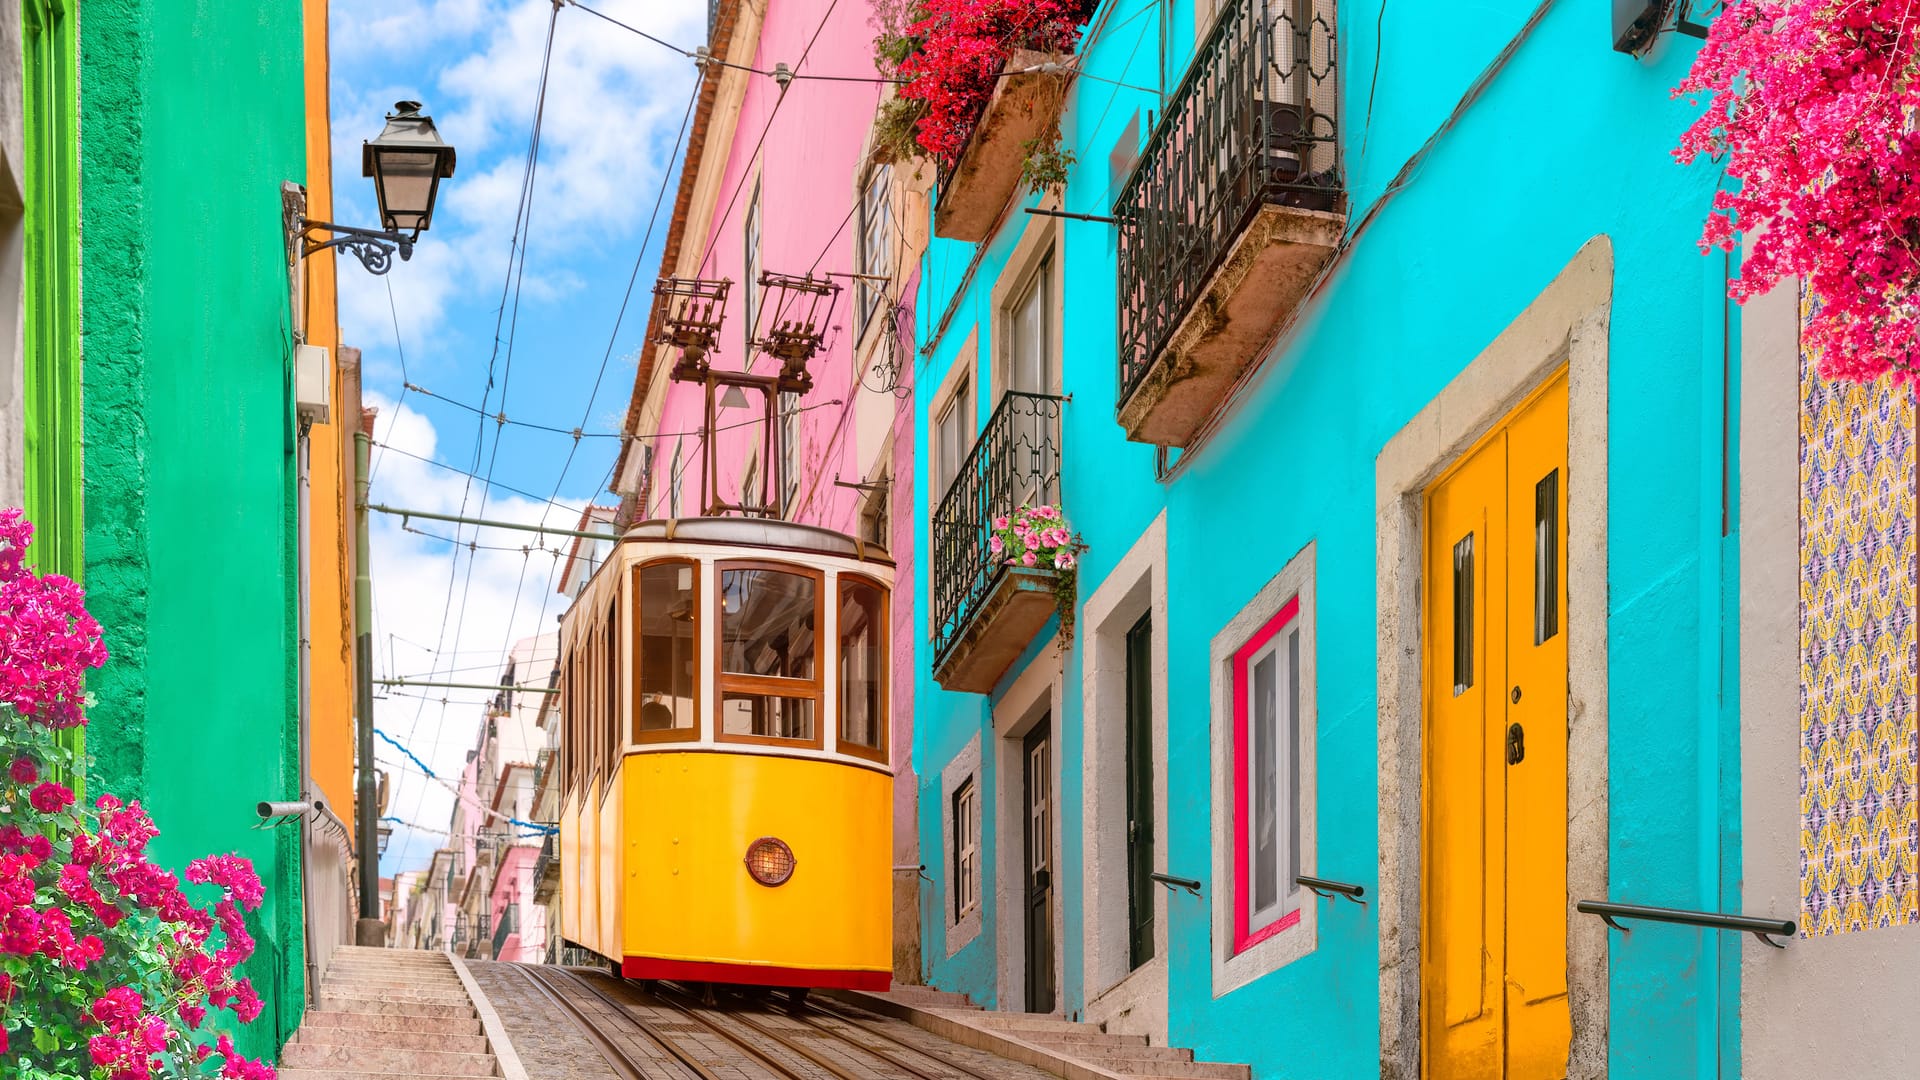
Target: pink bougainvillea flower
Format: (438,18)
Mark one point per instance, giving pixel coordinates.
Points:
(1809,109)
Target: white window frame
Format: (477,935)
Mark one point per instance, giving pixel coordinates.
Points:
(962,915)
(1267,949)
(750,237)
(874,240)
(673,483)
(791,434)
(1284,753)
(957,406)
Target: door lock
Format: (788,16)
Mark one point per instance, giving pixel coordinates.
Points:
(1516,744)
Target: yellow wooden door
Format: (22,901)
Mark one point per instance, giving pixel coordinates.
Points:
(1494,894)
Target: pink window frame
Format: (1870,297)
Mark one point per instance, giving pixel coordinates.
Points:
(1245,936)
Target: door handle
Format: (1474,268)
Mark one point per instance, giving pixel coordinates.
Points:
(1516,744)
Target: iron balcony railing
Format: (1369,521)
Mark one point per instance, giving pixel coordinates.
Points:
(1015,460)
(1252,124)
(509,924)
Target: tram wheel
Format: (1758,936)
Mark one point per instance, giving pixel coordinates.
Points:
(797,998)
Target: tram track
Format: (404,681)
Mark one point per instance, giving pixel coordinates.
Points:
(764,1044)
(843,1042)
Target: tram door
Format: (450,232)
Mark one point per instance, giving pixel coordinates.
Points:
(1495,864)
(1038,755)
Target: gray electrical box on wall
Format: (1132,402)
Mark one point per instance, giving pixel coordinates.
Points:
(312,382)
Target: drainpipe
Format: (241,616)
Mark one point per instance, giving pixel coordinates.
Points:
(303,487)
(369,930)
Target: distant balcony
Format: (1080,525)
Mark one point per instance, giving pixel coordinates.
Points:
(546,872)
(1230,214)
(985,614)
(977,186)
(508,927)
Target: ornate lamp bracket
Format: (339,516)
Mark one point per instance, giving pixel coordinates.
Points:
(373,247)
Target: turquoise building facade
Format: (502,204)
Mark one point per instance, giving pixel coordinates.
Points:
(1510,207)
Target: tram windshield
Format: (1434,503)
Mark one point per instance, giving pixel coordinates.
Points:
(770,682)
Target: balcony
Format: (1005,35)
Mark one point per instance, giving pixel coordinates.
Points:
(1229,216)
(986,614)
(509,926)
(546,872)
(1023,107)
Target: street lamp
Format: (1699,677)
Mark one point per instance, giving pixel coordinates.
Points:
(407,163)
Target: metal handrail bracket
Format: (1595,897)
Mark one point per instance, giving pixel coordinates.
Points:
(1764,929)
(1171,881)
(1327,890)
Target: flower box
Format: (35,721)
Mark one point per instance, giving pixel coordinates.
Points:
(1023,108)
(1013,613)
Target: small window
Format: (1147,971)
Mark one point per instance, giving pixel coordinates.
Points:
(875,258)
(1266,688)
(750,233)
(673,484)
(952,431)
(791,434)
(666,620)
(768,653)
(1546,557)
(610,683)
(750,485)
(1029,342)
(863,669)
(1463,615)
(966,850)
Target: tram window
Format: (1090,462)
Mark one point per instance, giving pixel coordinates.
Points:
(769,668)
(863,668)
(767,716)
(767,623)
(665,650)
(610,679)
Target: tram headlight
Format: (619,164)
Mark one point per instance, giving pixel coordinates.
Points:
(770,861)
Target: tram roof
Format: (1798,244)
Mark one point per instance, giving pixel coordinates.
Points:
(758,532)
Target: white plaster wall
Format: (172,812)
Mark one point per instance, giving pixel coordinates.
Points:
(12,253)
(1844,1004)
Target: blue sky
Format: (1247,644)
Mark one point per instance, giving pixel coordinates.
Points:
(614,105)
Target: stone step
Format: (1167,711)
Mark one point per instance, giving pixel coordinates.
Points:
(358,1020)
(399,1040)
(382,950)
(1110,1046)
(391,971)
(424,978)
(395,993)
(1176,1070)
(927,995)
(372,986)
(1093,1036)
(335,1003)
(1018,1022)
(386,966)
(382,1059)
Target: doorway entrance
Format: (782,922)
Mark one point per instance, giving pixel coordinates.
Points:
(1494,893)
(1037,754)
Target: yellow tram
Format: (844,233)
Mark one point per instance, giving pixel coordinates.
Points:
(727,815)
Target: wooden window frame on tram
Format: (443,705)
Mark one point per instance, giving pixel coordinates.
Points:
(884,628)
(672,734)
(724,681)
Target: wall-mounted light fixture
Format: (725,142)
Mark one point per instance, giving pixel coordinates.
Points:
(407,163)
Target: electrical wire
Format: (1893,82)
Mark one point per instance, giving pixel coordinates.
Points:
(501,418)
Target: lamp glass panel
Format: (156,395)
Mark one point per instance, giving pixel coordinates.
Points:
(406,179)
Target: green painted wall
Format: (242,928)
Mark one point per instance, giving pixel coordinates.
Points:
(192,119)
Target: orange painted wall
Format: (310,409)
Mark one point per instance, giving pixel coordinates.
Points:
(330,590)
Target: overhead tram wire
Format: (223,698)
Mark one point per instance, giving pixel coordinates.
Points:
(593,395)
(517,248)
(393,310)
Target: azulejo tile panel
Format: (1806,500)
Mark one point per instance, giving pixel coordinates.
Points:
(1859,833)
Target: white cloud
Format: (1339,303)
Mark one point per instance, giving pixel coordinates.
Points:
(614,104)
(499,603)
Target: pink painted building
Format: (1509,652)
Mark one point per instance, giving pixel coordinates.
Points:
(779,179)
